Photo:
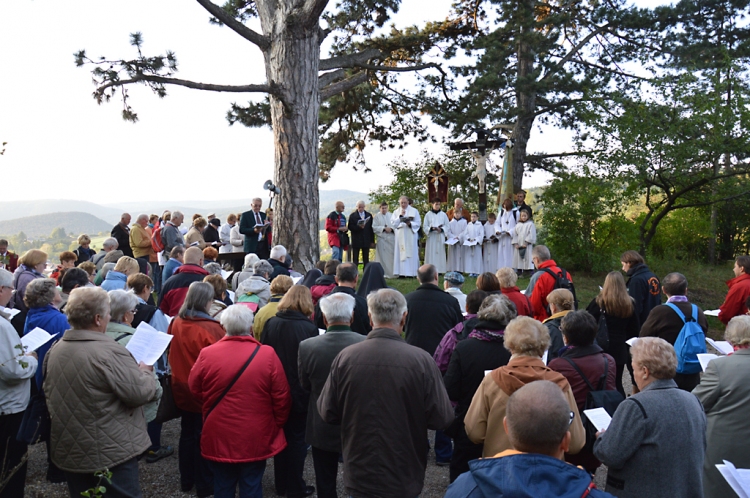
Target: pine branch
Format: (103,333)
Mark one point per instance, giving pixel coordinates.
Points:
(343,86)
(349,60)
(261,41)
(186,83)
(574,51)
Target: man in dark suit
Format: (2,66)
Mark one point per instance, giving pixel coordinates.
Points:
(248,226)
(121,232)
(362,236)
(315,358)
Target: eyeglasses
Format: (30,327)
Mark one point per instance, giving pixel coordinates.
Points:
(572,416)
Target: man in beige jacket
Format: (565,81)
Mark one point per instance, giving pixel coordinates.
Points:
(140,242)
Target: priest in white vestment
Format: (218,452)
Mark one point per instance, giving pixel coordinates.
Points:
(505,228)
(384,247)
(456,251)
(405,222)
(436,225)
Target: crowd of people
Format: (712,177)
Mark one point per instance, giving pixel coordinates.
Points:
(357,373)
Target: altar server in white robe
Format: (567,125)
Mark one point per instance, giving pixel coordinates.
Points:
(523,242)
(406,254)
(436,225)
(474,232)
(456,252)
(505,228)
(384,248)
(489,248)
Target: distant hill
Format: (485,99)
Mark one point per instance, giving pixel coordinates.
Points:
(20,209)
(42,225)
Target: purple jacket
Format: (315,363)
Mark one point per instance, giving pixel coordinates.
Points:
(445,349)
(21,278)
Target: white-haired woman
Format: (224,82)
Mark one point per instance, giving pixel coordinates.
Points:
(724,392)
(527,340)
(237,453)
(655,444)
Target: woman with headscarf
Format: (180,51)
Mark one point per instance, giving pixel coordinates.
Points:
(373,279)
(310,277)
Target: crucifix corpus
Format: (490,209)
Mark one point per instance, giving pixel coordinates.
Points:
(480,150)
(437,184)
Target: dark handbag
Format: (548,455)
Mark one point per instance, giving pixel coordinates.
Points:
(602,334)
(522,252)
(167,408)
(36,424)
(236,377)
(343,239)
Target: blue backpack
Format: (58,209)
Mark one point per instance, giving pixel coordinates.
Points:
(690,342)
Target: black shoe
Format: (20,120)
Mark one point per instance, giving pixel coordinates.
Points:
(186,487)
(309,490)
(204,493)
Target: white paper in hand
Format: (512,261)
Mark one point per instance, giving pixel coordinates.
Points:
(225,274)
(711,312)
(704,358)
(451,242)
(722,347)
(231,295)
(35,339)
(738,479)
(599,417)
(148,344)
(9,311)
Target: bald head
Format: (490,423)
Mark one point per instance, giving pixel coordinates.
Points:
(427,274)
(537,418)
(339,207)
(193,256)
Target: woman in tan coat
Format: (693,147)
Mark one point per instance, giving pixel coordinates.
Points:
(527,340)
(194,237)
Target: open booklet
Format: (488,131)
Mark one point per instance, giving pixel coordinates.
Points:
(599,418)
(738,479)
(470,242)
(148,344)
(451,241)
(11,312)
(722,347)
(704,358)
(35,339)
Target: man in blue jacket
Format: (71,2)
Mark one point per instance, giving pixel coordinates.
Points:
(537,420)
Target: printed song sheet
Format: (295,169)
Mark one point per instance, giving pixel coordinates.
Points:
(148,344)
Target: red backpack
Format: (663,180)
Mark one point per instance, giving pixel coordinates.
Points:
(156,243)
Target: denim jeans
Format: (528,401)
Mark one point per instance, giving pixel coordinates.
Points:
(156,277)
(443,447)
(337,253)
(249,476)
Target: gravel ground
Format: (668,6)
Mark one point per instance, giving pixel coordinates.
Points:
(162,479)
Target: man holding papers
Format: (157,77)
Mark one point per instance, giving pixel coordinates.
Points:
(362,236)
(724,392)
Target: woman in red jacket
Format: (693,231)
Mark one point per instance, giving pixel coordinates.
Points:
(193,330)
(260,395)
(739,291)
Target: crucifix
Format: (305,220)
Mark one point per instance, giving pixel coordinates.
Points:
(480,149)
(437,184)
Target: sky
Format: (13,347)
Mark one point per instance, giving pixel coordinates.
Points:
(65,146)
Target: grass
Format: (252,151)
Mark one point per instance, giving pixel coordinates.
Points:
(706,286)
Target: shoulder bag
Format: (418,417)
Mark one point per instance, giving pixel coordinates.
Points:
(231,384)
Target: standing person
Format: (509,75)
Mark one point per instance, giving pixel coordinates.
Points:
(346,282)
(174,290)
(251,226)
(523,242)
(506,279)
(437,225)
(665,323)
(315,358)
(16,372)
(373,279)
(194,236)
(456,251)
(505,228)
(489,246)
(325,283)
(225,234)
(8,260)
(405,221)
(211,233)
(171,235)
(95,392)
(117,278)
(193,329)
(384,248)
(237,238)
(560,304)
(739,291)
(542,282)
(521,205)
(643,438)
(279,287)
(121,232)
(458,205)
(615,304)
(237,453)
(31,265)
(363,237)
(452,283)
(474,234)
(176,259)
(108,246)
(643,285)
(67,261)
(84,251)
(284,333)
(338,238)
(140,242)
(724,393)
(383,382)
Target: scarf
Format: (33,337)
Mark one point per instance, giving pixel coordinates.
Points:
(677,299)
(487,335)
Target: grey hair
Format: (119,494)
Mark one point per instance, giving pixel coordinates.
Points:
(105,269)
(403,197)
(458,199)
(199,296)
(497,308)
(657,355)
(237,320)
(737,332)
(84,304)
(338,307)
(120,302)
(111,242)
(142,217)
(277,252)
(262,268)
(40,292)
(525,336)
(361,202)
(213,268)
(541,252)
(177,214)
(386,307)
(507,277)
(6,278)
(256,199)
(250,260)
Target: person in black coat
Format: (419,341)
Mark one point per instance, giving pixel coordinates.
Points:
(211,233)
(346,281)
(284,332)
(643,285)
(278,260)
(121,232)
(362,236)
(483,350)
(432,311)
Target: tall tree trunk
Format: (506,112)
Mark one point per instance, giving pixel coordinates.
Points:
(525,99)
(714,218)
(292,67)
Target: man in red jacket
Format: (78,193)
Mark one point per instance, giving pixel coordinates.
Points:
(7,258)
(336,226)
(739,291)
(542,283)
(175,289)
